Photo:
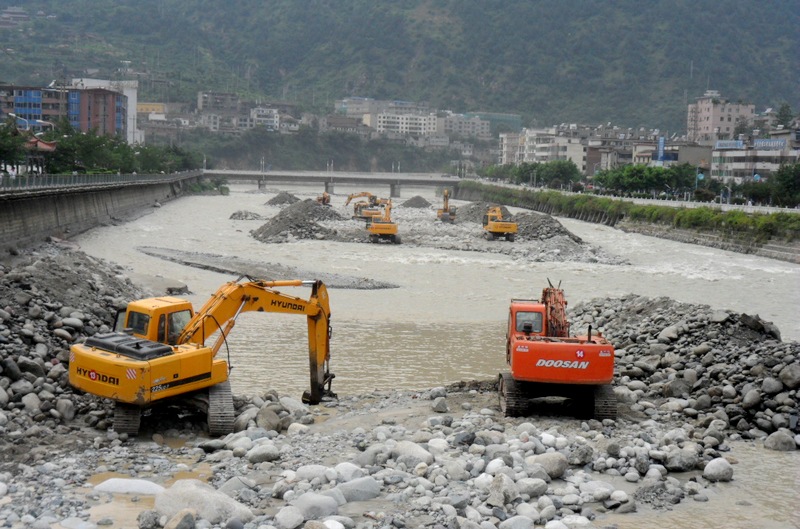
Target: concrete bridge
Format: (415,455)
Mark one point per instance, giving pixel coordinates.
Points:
(395,181)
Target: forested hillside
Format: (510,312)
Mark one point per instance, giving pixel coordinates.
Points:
(630,62)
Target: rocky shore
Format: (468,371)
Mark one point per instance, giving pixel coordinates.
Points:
(691,381)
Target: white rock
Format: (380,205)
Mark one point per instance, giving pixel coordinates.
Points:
(128,486)
(209,503)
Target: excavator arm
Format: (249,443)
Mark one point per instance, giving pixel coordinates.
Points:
(223,308)
(358,195)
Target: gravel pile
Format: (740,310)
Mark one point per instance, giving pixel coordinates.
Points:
(298,221)
(475,211)
(416,202)
(714,365)
(246,215)
(283,198)
(533,226)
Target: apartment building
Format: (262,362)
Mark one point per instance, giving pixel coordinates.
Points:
(100,110)
(130,89)
(404,124)
(464,126)
(714,118)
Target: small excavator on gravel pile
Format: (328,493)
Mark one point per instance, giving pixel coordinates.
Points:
(494,225)
(545,361)
(158,352)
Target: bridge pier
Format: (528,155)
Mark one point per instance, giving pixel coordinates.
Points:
(262,183)
(394,190)
(329,187)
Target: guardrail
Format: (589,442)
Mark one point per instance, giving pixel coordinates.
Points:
(661,202)
(27,183)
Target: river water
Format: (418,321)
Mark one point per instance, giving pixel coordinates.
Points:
(446,321)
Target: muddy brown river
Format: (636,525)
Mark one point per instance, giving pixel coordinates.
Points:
(446,321)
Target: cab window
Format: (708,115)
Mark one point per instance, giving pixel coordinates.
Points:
(177,322)
(138,321)
(532,318)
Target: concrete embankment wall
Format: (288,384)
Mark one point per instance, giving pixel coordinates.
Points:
(774,248)
(28,219)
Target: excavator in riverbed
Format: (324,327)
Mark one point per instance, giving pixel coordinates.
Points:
(495,225)
(447,213)
(158,351)
(383,228)
(545,361)
(366,209)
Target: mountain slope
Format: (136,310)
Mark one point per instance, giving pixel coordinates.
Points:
(630,62)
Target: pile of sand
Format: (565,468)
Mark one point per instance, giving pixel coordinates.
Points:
(416,202)
(298,221)
(282,198)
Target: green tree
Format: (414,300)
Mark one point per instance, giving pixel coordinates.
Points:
(12,144)
(787,185)
(785,115)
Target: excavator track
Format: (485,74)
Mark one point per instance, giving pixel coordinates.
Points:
(127,419)
(605,403)
(220,409)
(513,401)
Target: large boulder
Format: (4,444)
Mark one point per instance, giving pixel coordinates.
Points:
(210,504)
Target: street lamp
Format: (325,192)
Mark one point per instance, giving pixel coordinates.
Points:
(27,123)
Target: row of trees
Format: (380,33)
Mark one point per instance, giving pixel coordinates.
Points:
(555,175)
(781,189)
(90,152)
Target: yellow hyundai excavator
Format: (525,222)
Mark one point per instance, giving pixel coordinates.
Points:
(383,228)
(159,352)
(495,225)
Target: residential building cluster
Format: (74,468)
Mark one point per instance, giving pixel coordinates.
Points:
(728,141)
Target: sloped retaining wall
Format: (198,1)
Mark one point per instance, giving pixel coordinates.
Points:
(30,218)
(773,248)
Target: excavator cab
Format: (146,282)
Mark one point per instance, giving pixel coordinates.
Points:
(160,319)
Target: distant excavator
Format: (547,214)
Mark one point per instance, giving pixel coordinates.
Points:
(324,199)
(447,213)
(366,209)
(383,228)
(495,225)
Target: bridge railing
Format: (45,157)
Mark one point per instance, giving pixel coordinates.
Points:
(29,182)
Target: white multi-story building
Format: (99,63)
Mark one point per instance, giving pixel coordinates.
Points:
(510,147)
(713,118)
(405,124)
(738,162)
(464,126)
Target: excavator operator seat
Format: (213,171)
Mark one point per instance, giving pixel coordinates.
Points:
(529,322)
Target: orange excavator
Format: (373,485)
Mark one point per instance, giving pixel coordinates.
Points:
(545,361)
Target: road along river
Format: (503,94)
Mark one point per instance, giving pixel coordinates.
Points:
(446,320)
